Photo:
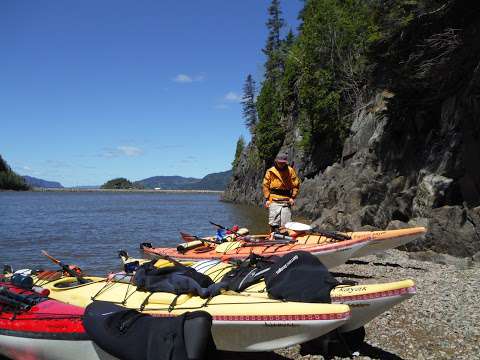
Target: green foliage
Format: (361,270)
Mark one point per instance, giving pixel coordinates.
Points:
(326,67)
(238,151)
(269,133)
(393,16)
(120,183)
(3,165)
(248,104)
(253,158)
(9,180)
(316,77)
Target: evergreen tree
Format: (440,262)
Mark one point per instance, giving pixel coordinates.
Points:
(3,165)
(274,25)
(238,151)
(9,180)
(289,40)
(248,102)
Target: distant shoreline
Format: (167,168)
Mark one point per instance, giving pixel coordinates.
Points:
(124,190)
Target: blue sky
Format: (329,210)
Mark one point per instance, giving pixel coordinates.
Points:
(91,90)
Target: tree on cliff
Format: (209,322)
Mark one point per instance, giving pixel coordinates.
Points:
(238,151)
(248,104)
(269,133)
(9,180)
(325,71)
(271,50)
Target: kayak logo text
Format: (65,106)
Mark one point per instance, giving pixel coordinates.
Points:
(279,270)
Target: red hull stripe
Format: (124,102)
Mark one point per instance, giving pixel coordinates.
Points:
(377,295)
(31,324)
(298,317)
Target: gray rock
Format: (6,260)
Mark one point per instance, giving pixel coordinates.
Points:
(431,192)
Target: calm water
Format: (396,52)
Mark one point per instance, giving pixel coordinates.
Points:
(88,228)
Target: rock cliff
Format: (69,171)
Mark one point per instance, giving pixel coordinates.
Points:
(411,157)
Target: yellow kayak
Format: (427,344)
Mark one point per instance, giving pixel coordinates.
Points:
(366,301)
(240,322)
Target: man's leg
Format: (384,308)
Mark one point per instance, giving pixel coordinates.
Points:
(274,216)
(285,215)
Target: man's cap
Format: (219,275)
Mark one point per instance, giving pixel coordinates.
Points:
(282,158)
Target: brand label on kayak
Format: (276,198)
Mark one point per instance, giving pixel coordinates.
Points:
(282,324)
(351,289)
(279,270)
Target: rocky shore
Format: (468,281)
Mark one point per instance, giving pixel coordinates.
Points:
(439,322)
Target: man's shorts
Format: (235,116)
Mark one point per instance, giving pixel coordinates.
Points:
(279,214)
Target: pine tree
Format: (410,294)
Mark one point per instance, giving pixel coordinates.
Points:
(289,40)
(248,103)
(274,25)
(238,151)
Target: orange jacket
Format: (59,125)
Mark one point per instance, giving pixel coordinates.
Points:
(280,184)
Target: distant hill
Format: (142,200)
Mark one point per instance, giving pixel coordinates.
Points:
(36,182)
(168,182)
(215,181)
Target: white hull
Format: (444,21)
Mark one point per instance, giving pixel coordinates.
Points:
(375,246)
(23,348)
(367,307)
(338,257)
(246,336)
(268,335)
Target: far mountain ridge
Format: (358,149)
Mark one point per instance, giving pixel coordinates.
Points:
(41,183)
(214,181)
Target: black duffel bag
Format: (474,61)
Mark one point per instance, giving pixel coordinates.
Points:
(300,276)
(131,335)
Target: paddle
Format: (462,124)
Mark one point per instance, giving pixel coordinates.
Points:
(6,300)
(331,234)
(189,237)
(243,237)
(18,297)
(224,228)
(266,243)
(66,268)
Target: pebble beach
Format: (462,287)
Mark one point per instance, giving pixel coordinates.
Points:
(440,322)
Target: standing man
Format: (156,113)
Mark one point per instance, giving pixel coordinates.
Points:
(280,187)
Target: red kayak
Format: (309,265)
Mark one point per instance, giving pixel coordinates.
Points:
(35,327)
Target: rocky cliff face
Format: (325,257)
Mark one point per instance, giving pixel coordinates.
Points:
(412,157)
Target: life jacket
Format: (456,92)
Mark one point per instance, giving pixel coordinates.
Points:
(280,185)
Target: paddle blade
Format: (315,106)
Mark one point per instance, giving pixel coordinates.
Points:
(187,237)
(56,261)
